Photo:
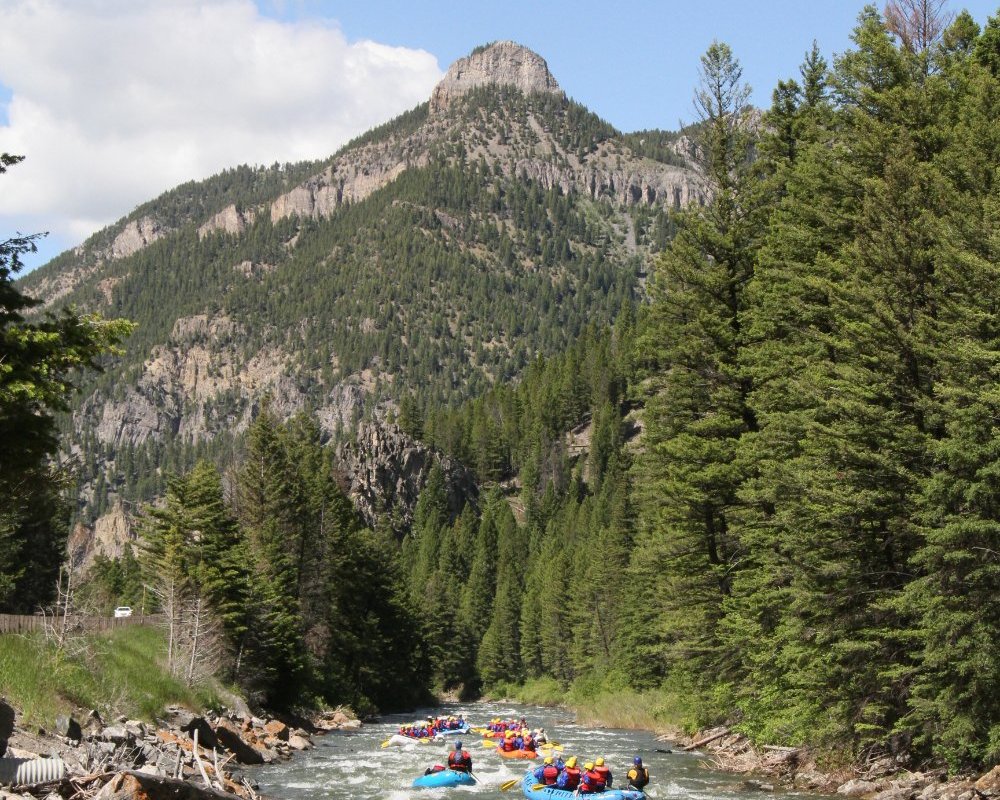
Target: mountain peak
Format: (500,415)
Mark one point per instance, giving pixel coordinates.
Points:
(500,64)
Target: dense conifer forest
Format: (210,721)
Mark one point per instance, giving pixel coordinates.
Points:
(804,535)
(765,482)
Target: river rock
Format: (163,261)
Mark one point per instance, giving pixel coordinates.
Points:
(351,725)
(69,728)
(297,742)
(229,737)
(896,793)
(206,736)
(139,786)
(117,734)
(856,787)
(177,717)
(988,784)
(277,729)
(93,724)
(757,786)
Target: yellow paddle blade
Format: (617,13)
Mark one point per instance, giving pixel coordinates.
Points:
(386,743)
(488,743)
(537,786)
(508,785)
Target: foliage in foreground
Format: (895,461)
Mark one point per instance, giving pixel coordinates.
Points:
(116,672)
(40,365)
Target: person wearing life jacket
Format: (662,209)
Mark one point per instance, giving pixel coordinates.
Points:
(590,781)
(548,773)
(539,736)
(601,768)
(638,776)
(459,759)
(518,741)
(569,778)
(527,742)
(508,742)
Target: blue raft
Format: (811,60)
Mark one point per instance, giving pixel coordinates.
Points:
(453,732)
(551,793)
(445,777)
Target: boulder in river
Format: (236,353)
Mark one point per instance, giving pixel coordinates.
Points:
(277,729)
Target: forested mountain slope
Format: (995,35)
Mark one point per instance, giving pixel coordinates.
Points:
(435,255)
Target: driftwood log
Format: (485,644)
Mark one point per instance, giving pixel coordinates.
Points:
(706,740)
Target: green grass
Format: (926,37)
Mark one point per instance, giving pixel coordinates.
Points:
(120,673)
(601,700)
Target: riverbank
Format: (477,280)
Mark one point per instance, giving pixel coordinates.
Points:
(105,721)
(765,767)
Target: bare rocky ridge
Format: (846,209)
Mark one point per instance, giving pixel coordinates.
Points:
(498,64)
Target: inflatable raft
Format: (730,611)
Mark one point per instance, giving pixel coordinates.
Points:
(455,732)
(444,777)
(517,753)
(528,782)
(398,740)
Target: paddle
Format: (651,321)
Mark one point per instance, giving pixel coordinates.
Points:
(508,785)
(488,743)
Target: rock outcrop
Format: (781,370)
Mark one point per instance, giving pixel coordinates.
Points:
(230,220)
(499,64)
(387,470)
(137,234)
(110,535)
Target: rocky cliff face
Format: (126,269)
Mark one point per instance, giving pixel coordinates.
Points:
(109,536)
(499,64)
(387,470)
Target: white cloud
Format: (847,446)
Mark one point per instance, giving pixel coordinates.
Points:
(115,101)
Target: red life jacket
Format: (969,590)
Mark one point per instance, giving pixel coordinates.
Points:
(508,744)
(549,774)
(605,774)
(591,782)
(460,761)
(572,778)
(528,743)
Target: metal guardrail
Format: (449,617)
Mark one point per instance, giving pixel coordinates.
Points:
(24,623)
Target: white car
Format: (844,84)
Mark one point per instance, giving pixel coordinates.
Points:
(123,611)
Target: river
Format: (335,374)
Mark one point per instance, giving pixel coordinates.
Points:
(354,765)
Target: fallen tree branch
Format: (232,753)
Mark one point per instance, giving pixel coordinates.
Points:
(706,740)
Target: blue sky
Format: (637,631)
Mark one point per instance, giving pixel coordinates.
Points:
(634,63)
(116,101)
